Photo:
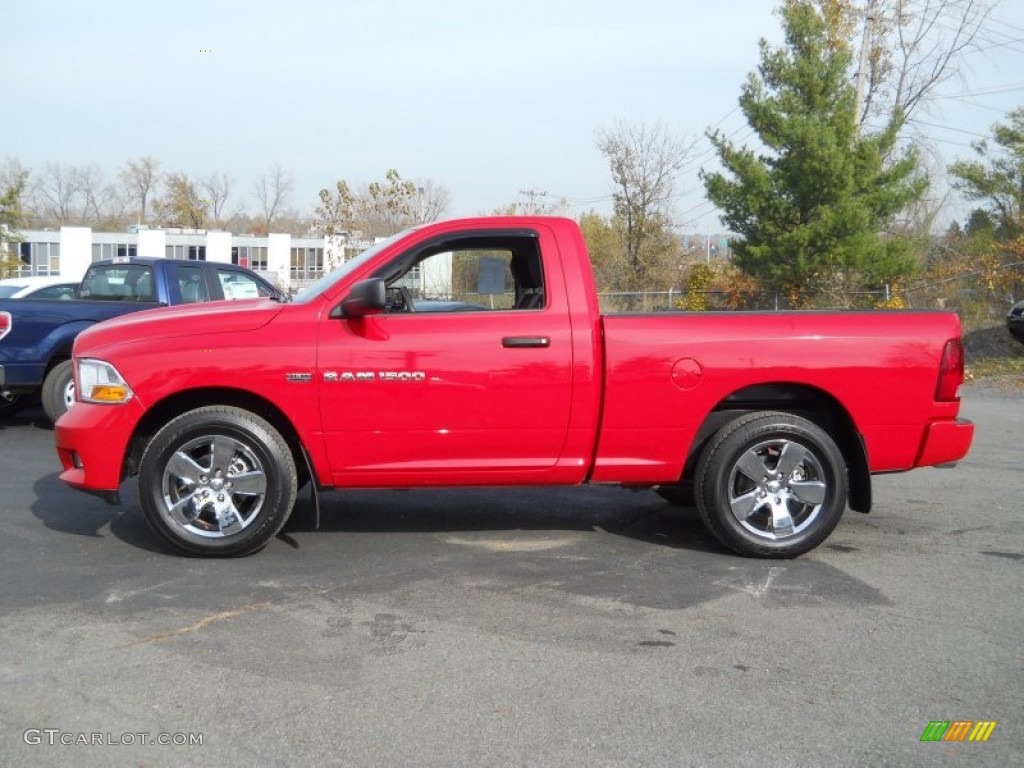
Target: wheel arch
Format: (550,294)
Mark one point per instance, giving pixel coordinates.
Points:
(181,402)
(57,357)
(804,400)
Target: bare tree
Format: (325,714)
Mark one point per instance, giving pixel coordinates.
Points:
(217,188)
(644,162)
(56,193)
(909,48)
(92,192)
(430,202)
(273,190)
(140,178)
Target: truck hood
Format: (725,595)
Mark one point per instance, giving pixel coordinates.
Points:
(175,322)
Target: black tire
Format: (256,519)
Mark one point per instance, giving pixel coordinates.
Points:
(58,393)
(11,403)
(787,510)
(190,478)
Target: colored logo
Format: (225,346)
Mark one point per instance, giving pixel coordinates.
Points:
(958,730)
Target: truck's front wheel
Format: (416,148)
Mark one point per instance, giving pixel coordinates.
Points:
(771,484)
(217,481)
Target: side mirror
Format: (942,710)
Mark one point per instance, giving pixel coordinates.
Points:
(367,297)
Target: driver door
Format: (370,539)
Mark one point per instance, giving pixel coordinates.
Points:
(461,387)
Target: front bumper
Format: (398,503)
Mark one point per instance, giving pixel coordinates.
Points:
(945,443)
(92,442)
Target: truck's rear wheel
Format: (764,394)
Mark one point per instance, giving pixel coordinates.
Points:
(771,485)
(217,481)
(59,390)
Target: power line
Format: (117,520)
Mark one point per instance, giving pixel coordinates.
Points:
(945,141)
(979,105)
(948,128)
(994,92)
(1003,23)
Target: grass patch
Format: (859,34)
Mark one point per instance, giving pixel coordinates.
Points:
(988,367)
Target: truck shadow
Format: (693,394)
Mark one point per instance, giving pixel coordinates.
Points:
(594,543)
(63,509)
(642,516)
(569,541)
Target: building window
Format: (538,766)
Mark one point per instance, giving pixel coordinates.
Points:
(197,253)
(258,257)
(307,263)
(37,258)
(175,251)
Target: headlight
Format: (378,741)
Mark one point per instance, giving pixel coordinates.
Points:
(99,382)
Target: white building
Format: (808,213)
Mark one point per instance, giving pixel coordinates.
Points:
(285,259)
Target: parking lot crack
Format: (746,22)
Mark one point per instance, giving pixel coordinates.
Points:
(202,623)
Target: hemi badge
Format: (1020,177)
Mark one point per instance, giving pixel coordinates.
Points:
(298,377)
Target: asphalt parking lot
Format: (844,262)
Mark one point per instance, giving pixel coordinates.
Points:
(591,626)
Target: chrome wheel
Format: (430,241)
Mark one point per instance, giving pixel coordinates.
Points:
(771,484)
(218,481)
(213,486)
(776,489)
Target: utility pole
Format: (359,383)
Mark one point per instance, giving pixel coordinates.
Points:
(865,51)
(535,201)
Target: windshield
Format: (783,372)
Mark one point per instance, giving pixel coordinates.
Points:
(7,291)
(325,282)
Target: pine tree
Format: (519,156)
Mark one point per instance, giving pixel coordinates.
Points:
(812,206)
(11,219)
(997,179)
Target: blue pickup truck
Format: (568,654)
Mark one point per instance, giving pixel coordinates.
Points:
(36,336)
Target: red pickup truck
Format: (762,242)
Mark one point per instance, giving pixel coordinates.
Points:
(473,352)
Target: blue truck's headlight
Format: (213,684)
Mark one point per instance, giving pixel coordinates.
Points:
(99,382)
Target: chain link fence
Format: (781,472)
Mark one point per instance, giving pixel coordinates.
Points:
(978,304)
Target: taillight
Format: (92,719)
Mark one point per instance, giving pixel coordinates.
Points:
(5,323)
(951,371)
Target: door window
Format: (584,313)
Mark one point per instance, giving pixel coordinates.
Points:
(466,275)
(239,285)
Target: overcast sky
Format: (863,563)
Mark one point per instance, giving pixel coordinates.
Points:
(485,98)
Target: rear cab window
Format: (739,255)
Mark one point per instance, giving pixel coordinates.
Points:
(118,282)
